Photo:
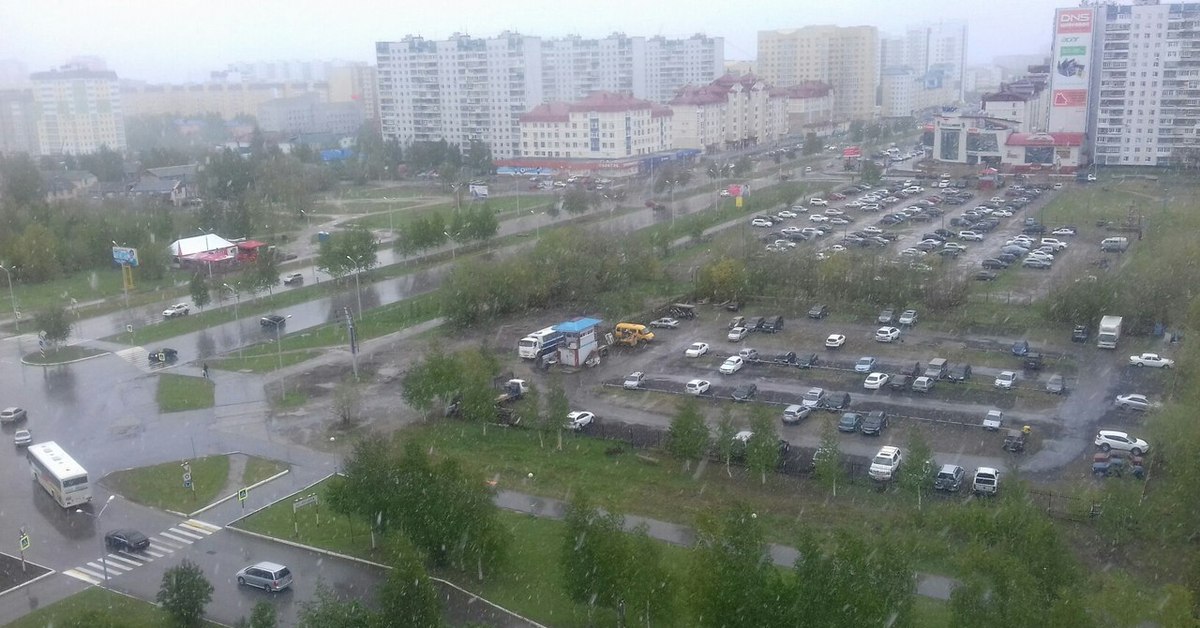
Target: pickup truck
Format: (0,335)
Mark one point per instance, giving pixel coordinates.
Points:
(1151,359)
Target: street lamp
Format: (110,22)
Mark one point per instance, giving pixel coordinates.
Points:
(237,300)
(13,298)
(278,344)
(97,516)
(357,290)
(453,253)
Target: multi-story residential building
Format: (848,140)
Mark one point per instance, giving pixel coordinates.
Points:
(1140,78)
(898,86)
(1025,102)
(308,114)
(602,126)
(924,47)
(18,122)
(228,99)
(355,83)
(465,88)
(293,71)
(981,78)
(846,58)
(78,111)
(731,112)
(810,108)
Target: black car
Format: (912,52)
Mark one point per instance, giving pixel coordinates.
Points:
(163,356)
(1033,361)
(1007,258)
(788,358)
(772,324)
(850,422)
(1080,333)
(986,275)
(1034,229)
(807,361)
(993,263)
(959,373)
(745,392)
(900,382)
(834,402)
(127,540)
(875,423)
(754,323)
(272,320)
(818,312)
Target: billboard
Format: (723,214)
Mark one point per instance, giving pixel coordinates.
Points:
(478,189)
(1071,68)
(125,256)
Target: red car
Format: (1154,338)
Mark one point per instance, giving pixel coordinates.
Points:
(837,196)
(655,206)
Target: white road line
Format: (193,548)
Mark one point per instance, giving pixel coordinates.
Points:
(205,530)
(156,554)
(169,544)
(79,575)
(98,567)
(126,560)
(120,569)
(177,530)
(203,525)
(175,538)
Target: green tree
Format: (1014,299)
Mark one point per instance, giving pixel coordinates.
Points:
(184,593)
(762,450)
(529,408)
(870,171)
(852,582)
(812,144)
(198,288)
(827,463)
(264,274)
(325,610)
(352,250)
(23,185)
(743,167)
(263,616)
(557,406)
(688,436)
(724,439)
(407,595)
(362,488)
(483,224)
(152,261)
(723,279)
(54,323)
(436,378)
(919,467)
(734,582)
(575,200)
(592,555)
(36,254)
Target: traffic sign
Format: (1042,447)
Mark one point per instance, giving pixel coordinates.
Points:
(24,542)
(242,494)
(187,476)
(187,484)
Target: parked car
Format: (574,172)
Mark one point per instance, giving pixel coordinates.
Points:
(886,316)
(745,392)
(1005,380)
(1151,359)
(272,320)
(1033,361)
(818,312)
(697,386)
(959,373)
(696,349)
(850,422)
(886,464)
(986,481)
(813,398)
(986,275)
(13,415)
(665,323)
(835,341)
(1080,333)
(994,264)
(748,354)
(294,279)
(901,382)
(737,334)
(265,575)
(887,334)
(1134,401)
(875,423)
(634,380)
(731,365)
(949,478)
(179,309)
(865,364)
(1111,439)
(807,360)
(876,381)
(835,402)
(1056,385)
(909,317)
(578,420)
(1020,348)
(795,413)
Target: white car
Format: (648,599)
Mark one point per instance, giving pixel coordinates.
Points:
(179,309)
(665,323)
(737,334)
(818,218)
(743,436)
(818,202)
(970,236)
(865,364)
(731,365)
(1151,359)
(696,349)
(1134,401)
(1002,213)
(1063,231)
(1005,380)
(834,341)
(872,230)
(697,387)
(911,252)
(761,222)
(1112,439)
(909,317)
(787,213)
(831,212)
(887,334)
(875,381)
(785,244)
(22,438)
(885,464)
(579,420)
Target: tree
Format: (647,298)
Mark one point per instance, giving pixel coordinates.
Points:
(152,261)
(352,250)
(184,593)
(557,405)
(688,434)
(263,616)
(812,144)
(725,434)
(762,450)
(483,224)
(918,473)
(734,582)
(198,288)
(35,252)
(264,274)
(827,462)
(869,171)
(22,182)
(367,486)
(529,408)
(436,378)
(407,595)
(723,279)
(743,167)
(575,200)
(347,402)
(851,582)
(325,610)
(55,323)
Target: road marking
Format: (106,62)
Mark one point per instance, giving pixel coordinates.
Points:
(177,530)
(126,560)
(201,526)
(175,538)
(156,554)
(169,544)
(117,566)
(78,574)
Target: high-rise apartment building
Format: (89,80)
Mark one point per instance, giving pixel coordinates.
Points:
(355,83)
(933,46)
(78,111)
(846,58)
(228,99)
(18,122)
(465,88)
(1139,77)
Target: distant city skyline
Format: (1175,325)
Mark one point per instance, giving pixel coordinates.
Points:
(139,40)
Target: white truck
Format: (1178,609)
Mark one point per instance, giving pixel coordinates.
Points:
(1110,332)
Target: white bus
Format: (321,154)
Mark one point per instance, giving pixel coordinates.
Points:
(59,474)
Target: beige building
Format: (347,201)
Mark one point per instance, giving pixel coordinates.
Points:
(731,112)
(228,99)
(18,122)
(78,111)
(846,58)
(810,108)
(602,126)
(355,83)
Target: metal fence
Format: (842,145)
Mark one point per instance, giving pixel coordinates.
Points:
(1062,506)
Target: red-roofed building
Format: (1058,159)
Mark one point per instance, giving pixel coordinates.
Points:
(1044,152)
(604,125)
(731,112)
(810,108)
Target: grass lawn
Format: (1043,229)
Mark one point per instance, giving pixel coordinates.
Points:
(290,399)
(97,607)
(92,285)
(504,207)
(261,361)
(177,393)
(258,469)
(161,486)
(62,354)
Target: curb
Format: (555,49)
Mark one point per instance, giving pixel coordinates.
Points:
(49,572)
(84,359)
(307,547)
(232,495)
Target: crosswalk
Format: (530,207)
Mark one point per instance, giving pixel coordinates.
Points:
(136,356)
(162,545)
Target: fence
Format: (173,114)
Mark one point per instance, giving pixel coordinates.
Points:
(1064,506)
(1007,298)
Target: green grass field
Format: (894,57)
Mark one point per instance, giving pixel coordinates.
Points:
(177,393)
(61,355)
(98,607)
(261,360)
(161,486)
(258,469)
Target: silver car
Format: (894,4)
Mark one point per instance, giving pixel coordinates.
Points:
(266,576)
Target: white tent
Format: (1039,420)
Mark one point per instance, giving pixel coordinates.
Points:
(201,244)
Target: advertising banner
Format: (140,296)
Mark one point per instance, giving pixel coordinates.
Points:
(1071,68)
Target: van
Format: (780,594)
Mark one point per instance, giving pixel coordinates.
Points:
(754,323)
(937,369)
(1114,244)
(987,481)
(923,384)
(795,413)
(772,324)
(633,333)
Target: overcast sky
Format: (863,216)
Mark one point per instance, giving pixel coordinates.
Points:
(183,40)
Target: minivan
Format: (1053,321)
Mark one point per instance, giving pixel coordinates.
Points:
(937,369)
(795,413)
(266,576)
(987,481)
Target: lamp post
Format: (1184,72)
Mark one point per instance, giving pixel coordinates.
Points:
(357,290)
(453,254)
(13,298)
(97,516)
(278,344)
(237,300)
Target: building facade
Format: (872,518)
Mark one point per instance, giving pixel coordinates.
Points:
(78,111)
(810,108)
(308,114)
(604,125)
(846,58)
(731,112)
(355,83)
(18,122)
(228,99)
(465,88)
(928,46)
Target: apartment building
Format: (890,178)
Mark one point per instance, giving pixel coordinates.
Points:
(906,92)
(1144,100)
(465,88)
(731,112)
(925,47)
(355,83)
(18,122)
(229,99)
(604,125)
(809,108)
(308,114)
(846,58)
(78,111)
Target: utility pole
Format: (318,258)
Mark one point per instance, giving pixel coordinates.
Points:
(352,333)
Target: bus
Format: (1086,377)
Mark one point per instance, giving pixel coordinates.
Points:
(59,474)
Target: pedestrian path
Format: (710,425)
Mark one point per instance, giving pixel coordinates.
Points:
(162,545)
